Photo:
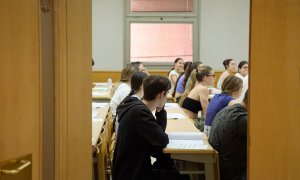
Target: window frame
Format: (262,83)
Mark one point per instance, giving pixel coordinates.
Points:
(161,17)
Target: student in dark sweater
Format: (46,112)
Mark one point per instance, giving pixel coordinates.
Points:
(141,135)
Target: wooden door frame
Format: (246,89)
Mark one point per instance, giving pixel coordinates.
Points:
(73,79)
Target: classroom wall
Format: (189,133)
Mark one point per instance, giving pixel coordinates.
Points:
(224,32)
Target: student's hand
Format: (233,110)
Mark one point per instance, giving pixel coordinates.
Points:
(158,109)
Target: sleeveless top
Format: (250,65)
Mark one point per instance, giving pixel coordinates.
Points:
(191,105)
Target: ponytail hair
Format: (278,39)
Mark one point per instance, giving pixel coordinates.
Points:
(226,63)
(136,82)
(189,86)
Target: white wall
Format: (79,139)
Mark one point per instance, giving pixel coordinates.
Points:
(108,34)
(224,32)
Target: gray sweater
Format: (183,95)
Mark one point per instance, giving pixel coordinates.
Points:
(228,136)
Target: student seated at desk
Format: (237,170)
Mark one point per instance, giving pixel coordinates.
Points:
(230,69)
(243,74)
(175,72)
(228,136)
(182,81)
(123,88)
(140,66)
(136,92)
(231,90)
(141,135)
(195,97)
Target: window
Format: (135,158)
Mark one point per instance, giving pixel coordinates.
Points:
(161,6)
(159,31)
(153,42)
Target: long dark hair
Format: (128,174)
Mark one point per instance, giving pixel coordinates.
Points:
(175,61)
(188,72)
(226,63)
(241,64)
(136,83)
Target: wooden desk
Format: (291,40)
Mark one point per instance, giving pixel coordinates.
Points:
(174,108)
(101,92)
(98,121)
(206,156)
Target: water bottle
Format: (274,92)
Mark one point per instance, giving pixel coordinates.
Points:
(109,82)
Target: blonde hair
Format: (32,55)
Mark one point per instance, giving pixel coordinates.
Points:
(127,72)
(231,84)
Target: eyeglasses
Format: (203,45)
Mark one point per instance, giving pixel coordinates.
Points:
(211,75)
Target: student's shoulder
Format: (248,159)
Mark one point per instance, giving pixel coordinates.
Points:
(139,106)
(173,72)
(202,88)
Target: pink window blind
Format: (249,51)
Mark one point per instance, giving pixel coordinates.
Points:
(150,42)
(161,5)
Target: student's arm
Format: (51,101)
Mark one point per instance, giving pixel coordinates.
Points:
(173,79)
(153,132)
(203,93)
(161,118)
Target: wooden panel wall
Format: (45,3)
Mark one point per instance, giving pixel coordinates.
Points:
(274,124)
(73,52)
(20,76)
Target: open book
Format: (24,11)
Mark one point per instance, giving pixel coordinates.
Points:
(186,140)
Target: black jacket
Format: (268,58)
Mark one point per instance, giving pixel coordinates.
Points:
(139,136)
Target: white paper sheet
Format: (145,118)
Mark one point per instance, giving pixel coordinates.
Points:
(100,89)
(97,119)
(186,135)
(172,105)
(97,93)
(175,116)
(94,114)
(99,104)
(186,144)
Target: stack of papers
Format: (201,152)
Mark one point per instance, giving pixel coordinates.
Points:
(100,89)
(186,140)
(98,93)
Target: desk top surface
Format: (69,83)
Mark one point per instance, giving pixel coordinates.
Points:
(183,125)
(99,113)
(101,91)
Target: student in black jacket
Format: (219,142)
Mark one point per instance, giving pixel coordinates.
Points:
(228,135)
(141,135)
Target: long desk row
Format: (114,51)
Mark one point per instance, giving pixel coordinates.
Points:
(101,92)
(99,113)
(178,122)
(207,155)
